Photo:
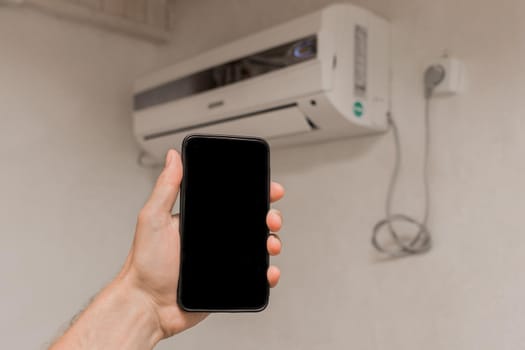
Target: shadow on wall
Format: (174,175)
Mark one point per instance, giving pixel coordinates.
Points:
(323,152)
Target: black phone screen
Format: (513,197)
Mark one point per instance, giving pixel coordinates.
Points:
(224,203)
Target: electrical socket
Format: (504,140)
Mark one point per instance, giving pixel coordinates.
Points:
(454,81)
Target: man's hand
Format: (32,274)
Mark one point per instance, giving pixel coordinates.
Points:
(140,307)
(153,262)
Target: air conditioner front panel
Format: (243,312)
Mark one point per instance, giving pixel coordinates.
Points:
(304,26)
(267,91)
(248,67)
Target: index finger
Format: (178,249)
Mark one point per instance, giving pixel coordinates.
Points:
(276,191)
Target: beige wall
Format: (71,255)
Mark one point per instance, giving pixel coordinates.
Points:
(70,187)
(69,184)
(335,294)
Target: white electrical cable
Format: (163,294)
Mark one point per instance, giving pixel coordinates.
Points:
(421,241)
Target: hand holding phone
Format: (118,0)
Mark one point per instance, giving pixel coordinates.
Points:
(139,307)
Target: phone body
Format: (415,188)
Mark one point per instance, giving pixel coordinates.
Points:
(225,196)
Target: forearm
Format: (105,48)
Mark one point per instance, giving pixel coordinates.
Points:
(120,317)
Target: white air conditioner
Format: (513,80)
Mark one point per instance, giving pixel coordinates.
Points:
(322,76)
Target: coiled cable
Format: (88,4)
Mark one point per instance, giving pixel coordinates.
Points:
(420,242)
(402,245)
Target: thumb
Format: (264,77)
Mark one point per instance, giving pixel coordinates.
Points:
(166,189)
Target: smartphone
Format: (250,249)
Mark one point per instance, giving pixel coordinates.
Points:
(225,196)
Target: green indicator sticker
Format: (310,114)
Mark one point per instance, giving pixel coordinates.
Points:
(358,109)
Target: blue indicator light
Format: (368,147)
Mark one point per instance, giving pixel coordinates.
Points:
(305,49)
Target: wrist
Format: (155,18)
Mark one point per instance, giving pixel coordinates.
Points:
(139,309)
(120,317)
(162,307)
